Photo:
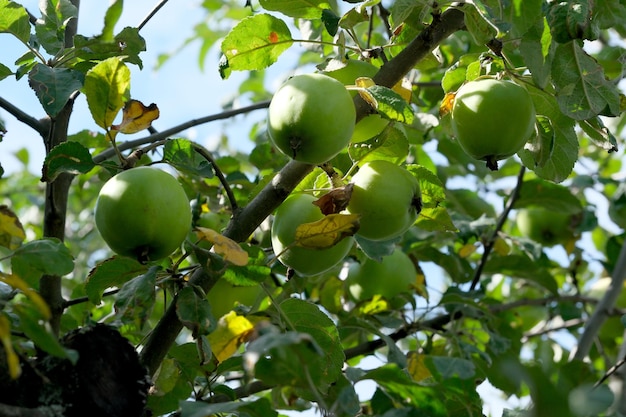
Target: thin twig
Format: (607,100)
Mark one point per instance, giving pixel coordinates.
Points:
(109,153)
(219,174)
(492,239)
(151,14)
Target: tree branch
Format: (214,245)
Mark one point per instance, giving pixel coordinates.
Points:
(23,117)
(246,220)
(606,303)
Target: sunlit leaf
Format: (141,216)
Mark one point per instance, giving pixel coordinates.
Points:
(107,87)
(11,230)
(14,20)
(255,43)
(232,330)
(306,9)
(327,231)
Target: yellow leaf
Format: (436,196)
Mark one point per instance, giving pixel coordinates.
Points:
(17,283)
(501,247)
(420,285)
(13,361)
(232,330)
(227,248)
(326,232)
(364,82)
(136,117)
(11,230)
(404,89)
(467,250)
(416,367)
(446,104)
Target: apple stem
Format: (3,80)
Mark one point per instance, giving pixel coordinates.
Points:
(492,163)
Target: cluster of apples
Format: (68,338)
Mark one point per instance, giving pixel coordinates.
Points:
(311,119)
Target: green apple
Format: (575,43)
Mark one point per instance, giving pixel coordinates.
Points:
(143,213)
(492,119)
(224,296)
(294,211)
(311,118)
(545,226)
(393,276)
(387,197)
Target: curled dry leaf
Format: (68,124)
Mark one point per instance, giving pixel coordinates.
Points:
(136,117)
(336,200)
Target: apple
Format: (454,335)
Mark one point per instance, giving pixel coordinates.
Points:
(143,213)
(224,296)
(545,226)
(393,276)
(387,197)
(311,118)
(294,211)
(492,119)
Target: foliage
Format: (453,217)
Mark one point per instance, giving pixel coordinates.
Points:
(487,304)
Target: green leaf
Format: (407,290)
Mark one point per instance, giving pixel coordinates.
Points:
(135,299)
(111,17)
(181,154)
(541,146)
(194,312)
(113,272)
(523,14)
(305,9)
(107,87)
(572,20)
(50,29)
(478,25)
(259,408)
(69,157)
(254,43)
(4,73)
(611,14)
(54,86)
(537,49)
(582,89)
(565,152)
(126,46)
(448,367)
(39,332)
(14,20)
(391,145)
(38,257)
(587,400)
(390,104)
(552,197)
(599,134)
(331,21)
(311,354)
(521,266)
